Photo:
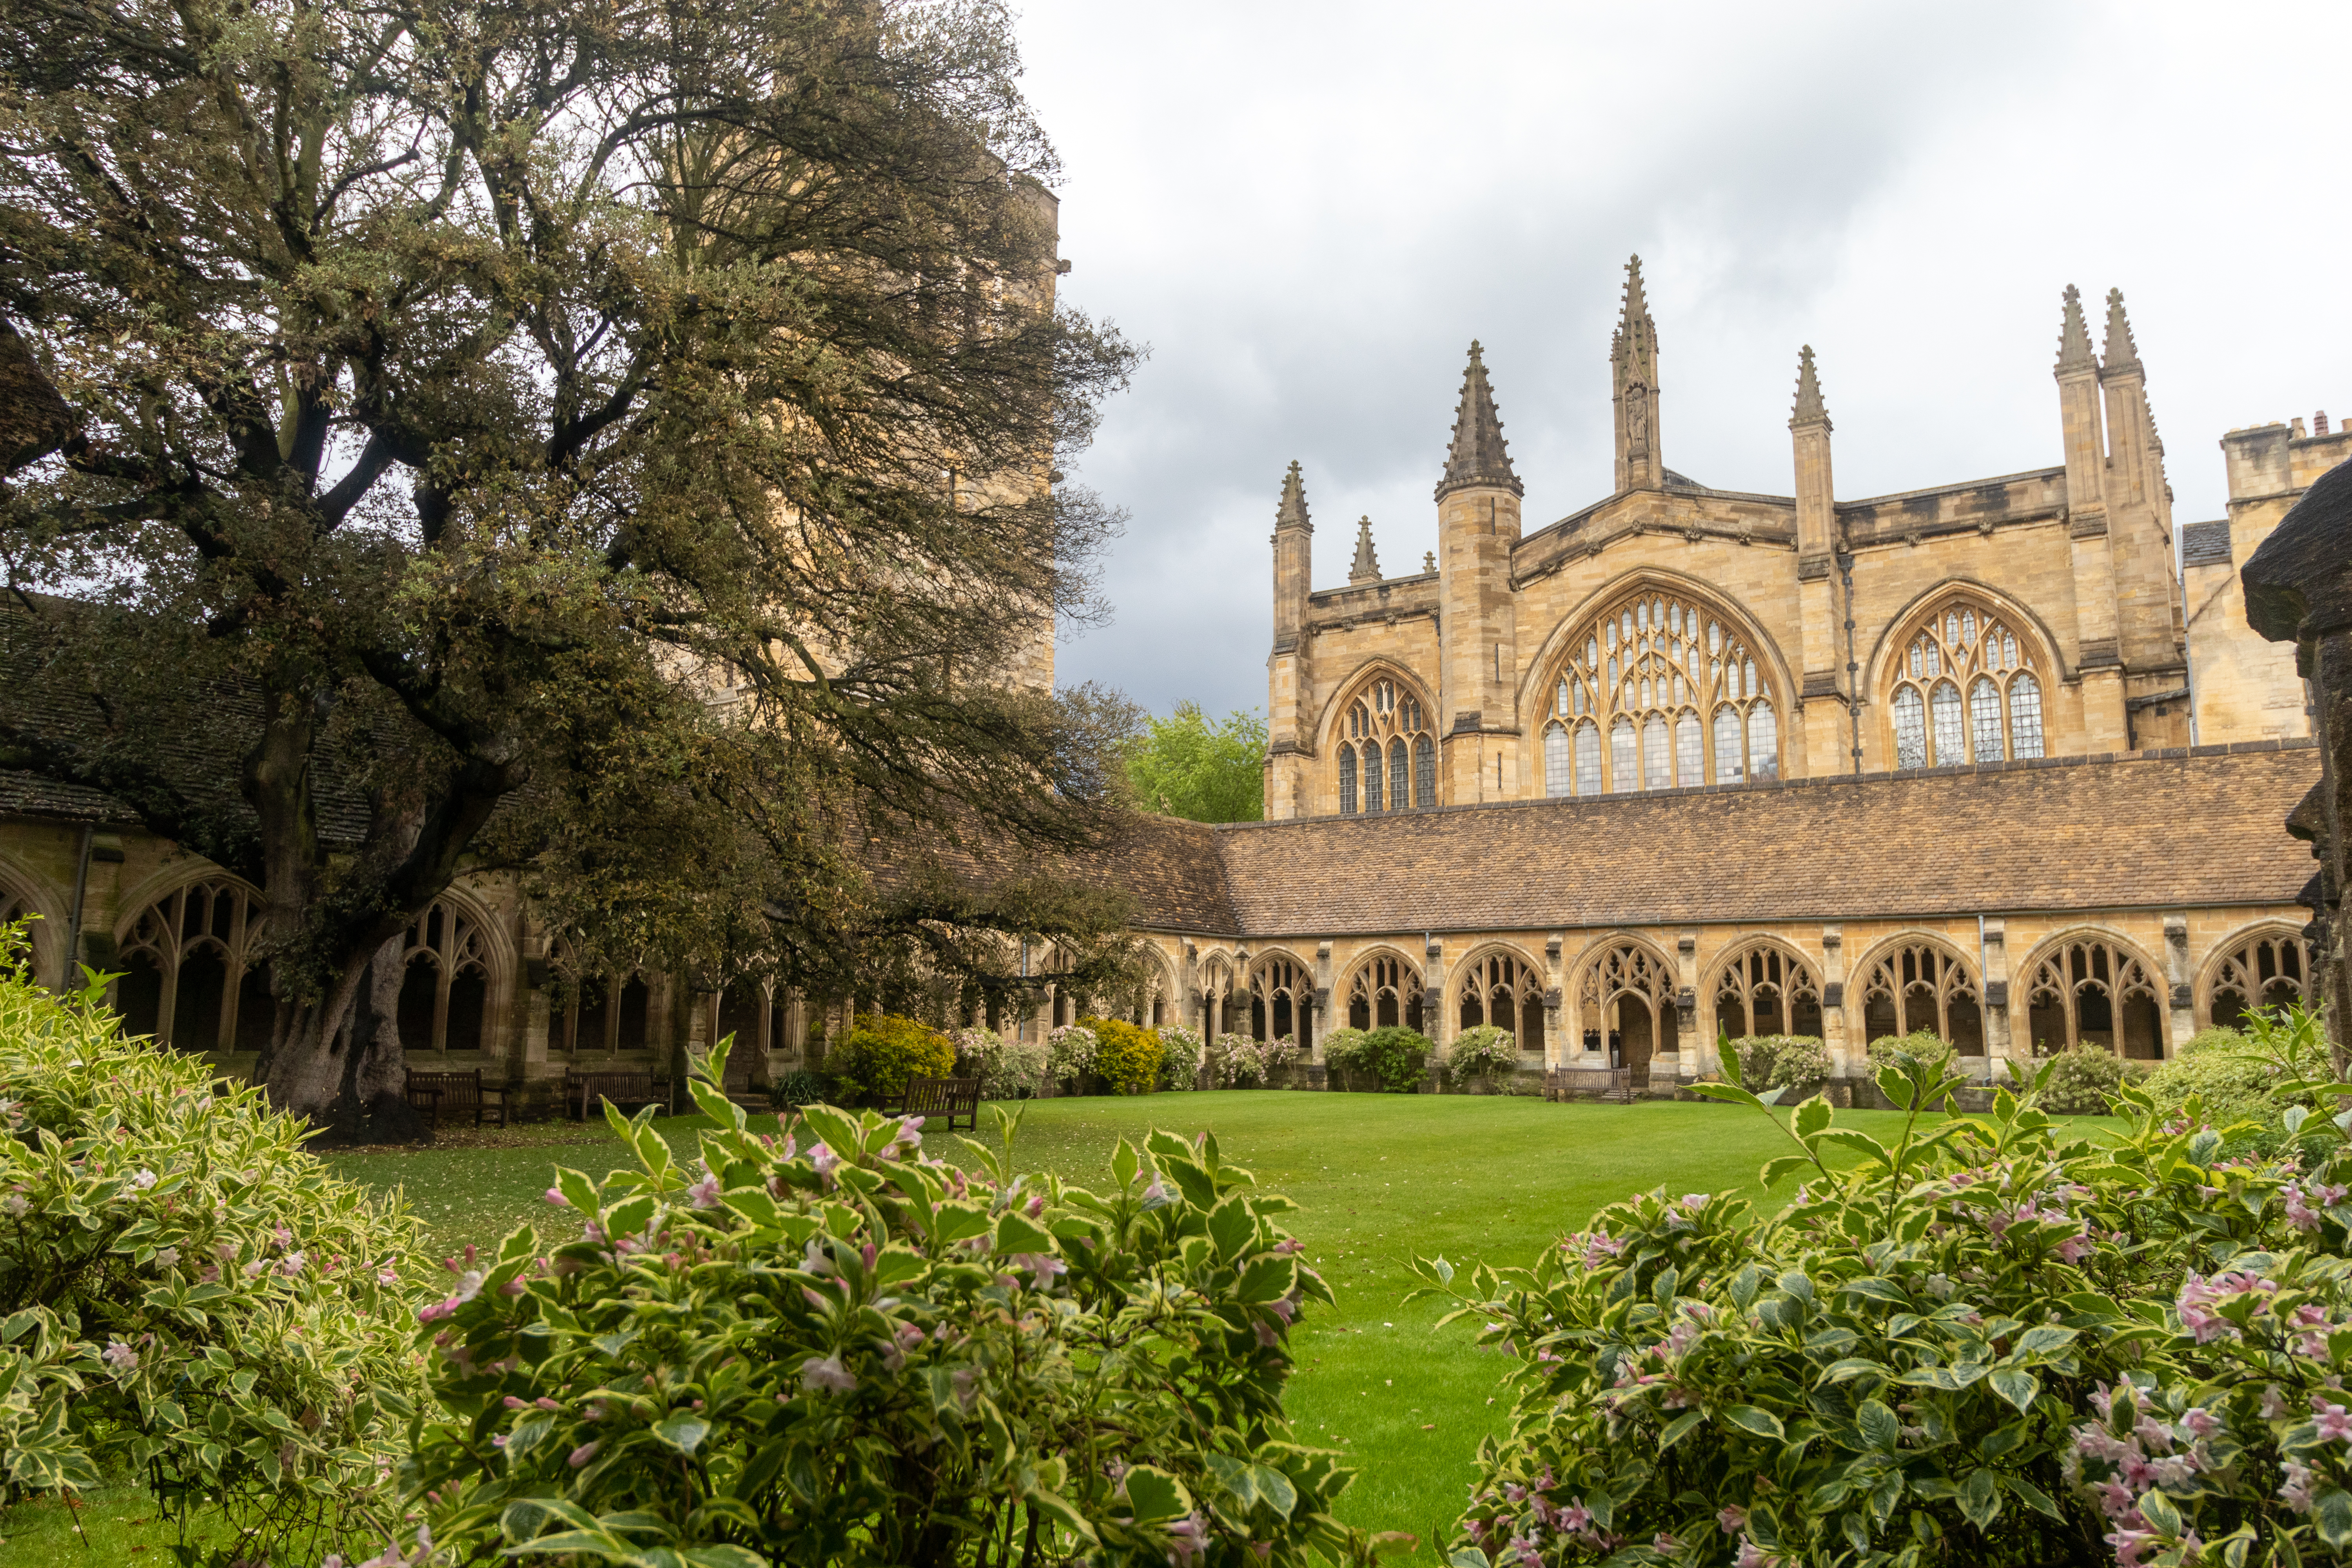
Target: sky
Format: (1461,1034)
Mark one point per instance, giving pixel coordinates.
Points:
(1306,212)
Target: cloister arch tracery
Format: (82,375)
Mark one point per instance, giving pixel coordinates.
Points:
(596,1011)
(1765,988)
(1916,983)
(1660,690)
(1219,1005)
(1966,682)
(2254,971)
(1281,998)
(189,975)
(2091,988)
(1385,990)
(445,981)
(1625,1001)
(1500,987)
(44,932)
(1383,748)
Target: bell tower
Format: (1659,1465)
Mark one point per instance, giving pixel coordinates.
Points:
(1633,390)
(1287,673)
(1477,524)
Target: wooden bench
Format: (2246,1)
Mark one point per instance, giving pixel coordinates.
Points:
(932,1099)
(1605,1083)
(624,1089)
(457,1093)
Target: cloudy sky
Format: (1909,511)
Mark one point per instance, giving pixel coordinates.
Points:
(1307,211)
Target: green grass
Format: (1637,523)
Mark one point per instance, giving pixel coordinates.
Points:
(1380,1178)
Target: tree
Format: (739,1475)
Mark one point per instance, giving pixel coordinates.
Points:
(1186,766)
(611,441)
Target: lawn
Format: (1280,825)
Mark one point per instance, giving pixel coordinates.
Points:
(1380,1178)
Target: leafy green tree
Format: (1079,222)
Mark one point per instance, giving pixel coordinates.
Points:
(613,441)
(1185,765)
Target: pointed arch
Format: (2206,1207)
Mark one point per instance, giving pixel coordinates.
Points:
(2093,986)
(1626,1004)
(1919,980)
(1380,735)
(1498,983)
(1281,996)
(1763,985)
(455,976)
(1964,676)
(1658,680)
(23,896)
(187,957)
(2261,966)
(1382,988)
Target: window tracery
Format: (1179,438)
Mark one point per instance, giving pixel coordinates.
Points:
(1676,690)
(1504,989)
(2090,991)
(1918,986)
(596,1011)
(1764,990)
(1965,647)
(445,982)
(1216,996)
(1386,751)
(1282,993)
(2269,969)
(186,976)
(1384,993)
(1626,1003)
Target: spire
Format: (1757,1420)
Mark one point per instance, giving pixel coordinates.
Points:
(1809,409)
(2120,352)
(1633,387)
(2073,338)
(1637,306)
(1367,568)
(1292,512)
(1478,455)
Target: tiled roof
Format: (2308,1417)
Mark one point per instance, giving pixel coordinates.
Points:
(2205,544)
(2149,830)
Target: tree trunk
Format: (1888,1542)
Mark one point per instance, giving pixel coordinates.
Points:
(352,1082)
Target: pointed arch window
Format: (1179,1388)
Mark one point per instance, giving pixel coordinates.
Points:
(1385,742)
(1923,985)
(2269,970)
(1626,1000)
(1764,991)
(1965,647)
(188,978)
(1385,991)
(445,982)
(2094,992)
(1280,999)
(1678,692)
(1502,989)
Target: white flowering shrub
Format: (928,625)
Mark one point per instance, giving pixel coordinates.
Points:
(188,1297)
(1070,1052)
(1981,1341)
(1485,1050)
(1181,1054)
(1236,1061)
(1004,1064)
(832,1348)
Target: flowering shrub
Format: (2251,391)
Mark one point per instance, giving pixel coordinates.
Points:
(1128,1055)
(2083,1081)
(1486,1051)
(1395,1055)
(1779,1061)
(1070,1052)
(1182,1052)
(832,1348)
(1241,1061)
(1923,1045)
(184,1294)
(1004,1064)
(884,1050)
(1989,1341)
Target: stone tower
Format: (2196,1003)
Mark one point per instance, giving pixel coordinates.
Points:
(1477,524)
(1826,735)
(2098,653)
(1287,723)
(1633,390)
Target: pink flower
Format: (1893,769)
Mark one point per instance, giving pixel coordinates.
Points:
(1036,1206)
(1733,1520)
(2335,1421)
(826,1374)
(2199,1422)
(1188,1540)
(2297,1492)
(1041,1267)
(704,1194)
(119,1356)
(555,1195)
(1754,1556)
(583,1454)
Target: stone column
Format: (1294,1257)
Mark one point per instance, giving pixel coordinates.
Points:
(1556,1041)
(1432,994)
(1834,1038)
(2180,980)
(1999,1036)
(1319,1018)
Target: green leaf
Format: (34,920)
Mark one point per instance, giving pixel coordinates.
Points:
(1861,1143)
(1156,1494)
(1015,1232)
(1730,1092)
(1979,1501)
(2159,1512)
(1877,1289)
(1060,1510)
(682,1431)
(585,1541)
(2031,1496)
(1749,1418)
(2018,1386)
(834,1129)
(1775,1168)
(1467,1557)
(577,1190)
(1895,1085)
(2332,1514)
(1812,1116)
(1679,1428)
(2044,1338)
(1268,1278)
(1274,1490)
(1881,1428)
(1232,1226)
(725,1556)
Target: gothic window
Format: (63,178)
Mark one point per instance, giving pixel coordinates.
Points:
(1924,985)
(1765,991)
(1385,743)
(1216,982)
(185,976)
(1384,993)
(14,907)
(1626,1002)
(594,1012)
(1502,989)
(1281,993)
(2093,992)
(444,983)
(1961,647)
(1678,692)
(2260,973)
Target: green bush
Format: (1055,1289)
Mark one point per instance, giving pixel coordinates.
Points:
(1127,1055)
(1070,1053)
(1923,1046)
(1237,1060)
(1396,1056)
(188,1297)
(1006,1065)
(2083,1081)
(1778,1061)
(884,1050)
(1181,1053)
(849,1353)
(1987,1341)
(800,1087)
(2232,1081)
(1486,1051)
